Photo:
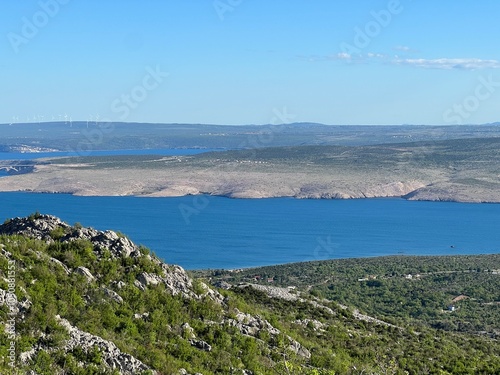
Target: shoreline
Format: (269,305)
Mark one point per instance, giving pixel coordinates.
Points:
(346,259)
(406,197)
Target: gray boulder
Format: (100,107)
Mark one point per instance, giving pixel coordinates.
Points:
(200,344)
(84,271)
(111,355)
(113,295)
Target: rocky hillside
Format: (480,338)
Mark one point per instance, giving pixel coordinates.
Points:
(76,300)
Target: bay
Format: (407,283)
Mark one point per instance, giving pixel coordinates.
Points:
(216,232)
(54,154)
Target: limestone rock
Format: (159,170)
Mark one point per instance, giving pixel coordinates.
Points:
(222,285)
(42,226)
(252,325)
(200,344)
(188,331)
(84,271)
(111,355)
(298,349)
(63,266)
(141,316)
(148,279)
(139,285)
(315,324)
(113,295)
(183,371)
(34,226)
(118,284)
(177,280)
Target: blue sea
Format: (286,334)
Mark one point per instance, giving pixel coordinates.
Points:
(54,154)
(215,232)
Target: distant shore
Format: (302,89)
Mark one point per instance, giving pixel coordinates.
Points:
(464,170)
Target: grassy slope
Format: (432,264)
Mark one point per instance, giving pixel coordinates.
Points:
(342,344)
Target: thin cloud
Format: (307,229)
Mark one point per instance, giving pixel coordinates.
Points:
(442,63)
(402,48)
(338,56)
(445,63)
(343,56)
(371,55)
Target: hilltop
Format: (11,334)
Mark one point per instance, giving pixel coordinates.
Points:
(92,302)
(84,136)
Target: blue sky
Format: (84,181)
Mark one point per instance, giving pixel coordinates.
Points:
(243,61)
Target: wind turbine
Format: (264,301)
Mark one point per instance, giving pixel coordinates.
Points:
(70,122)
(65,118)
(97,119)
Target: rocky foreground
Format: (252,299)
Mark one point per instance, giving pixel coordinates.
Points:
(77,300)
(107,246)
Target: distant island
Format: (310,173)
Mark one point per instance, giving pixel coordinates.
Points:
(461,170)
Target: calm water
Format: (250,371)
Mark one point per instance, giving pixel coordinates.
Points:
(38,155)
(215,232)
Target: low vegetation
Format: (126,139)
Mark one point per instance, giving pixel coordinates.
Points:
(241,329)
(451,293)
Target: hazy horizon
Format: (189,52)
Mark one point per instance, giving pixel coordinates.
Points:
(104,121)
(239,62)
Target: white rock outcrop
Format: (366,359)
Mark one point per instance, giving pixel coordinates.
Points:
(112,357)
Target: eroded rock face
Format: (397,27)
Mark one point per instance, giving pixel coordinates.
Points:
(176,279)
(43,227)
(111,355)
(113,295)
(35,226)
(84,271)
(17,307)
(315,324)
(148,279)
(251,325)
